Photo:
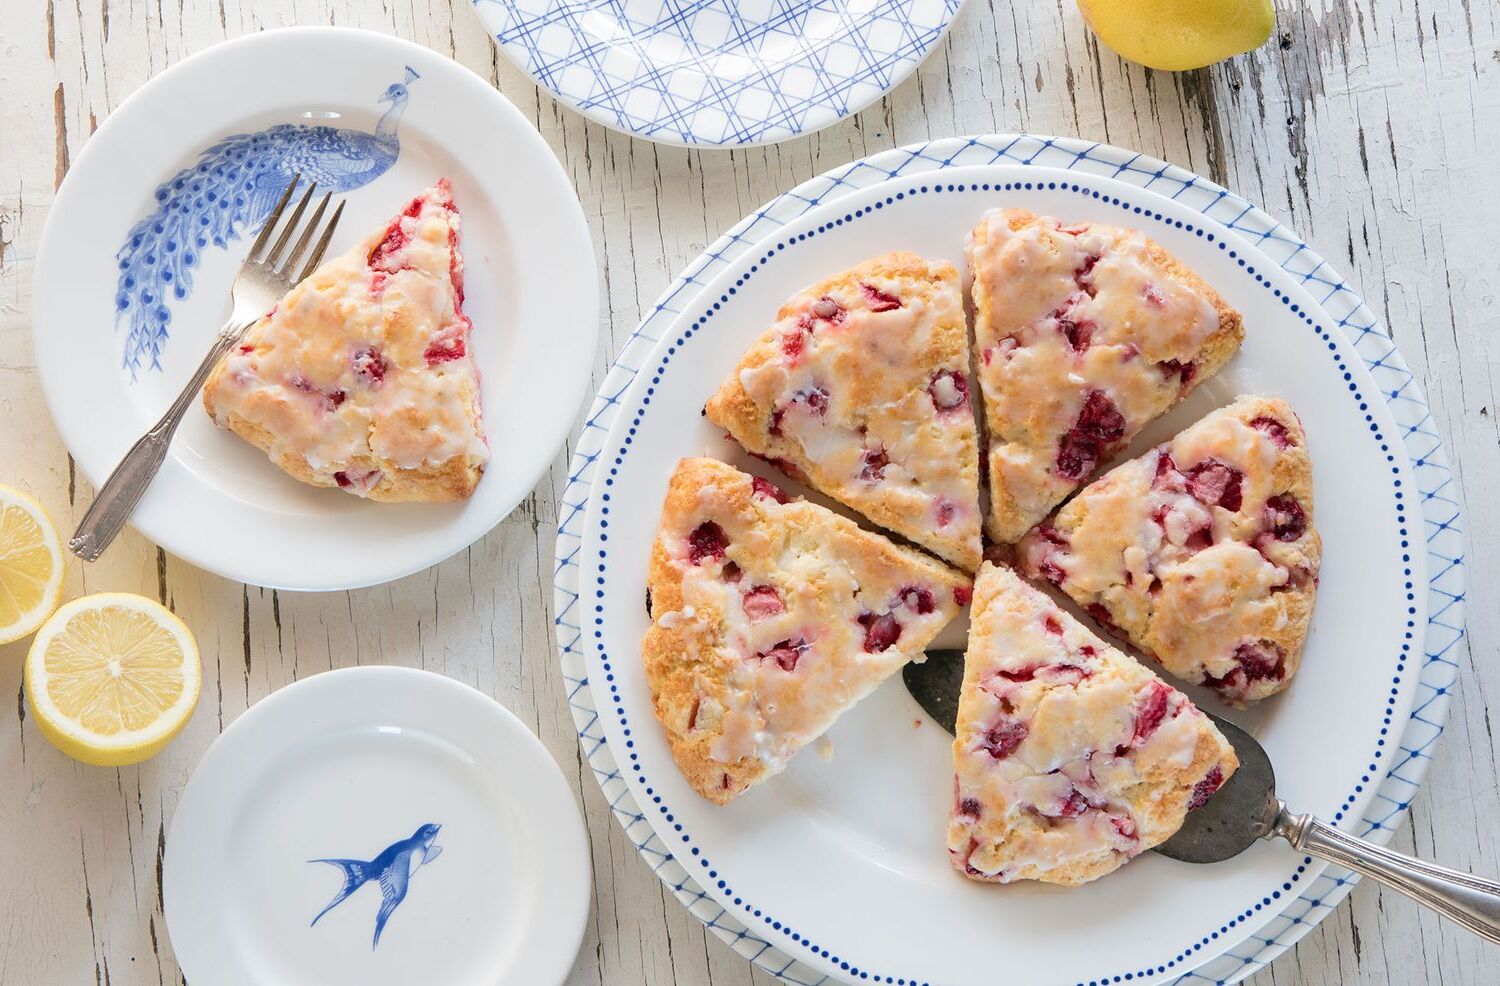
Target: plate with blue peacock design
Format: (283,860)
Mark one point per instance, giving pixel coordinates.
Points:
(155,217)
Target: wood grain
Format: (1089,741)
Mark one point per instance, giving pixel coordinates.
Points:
(1367,125)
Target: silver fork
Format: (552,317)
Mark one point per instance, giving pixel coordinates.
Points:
(259,285)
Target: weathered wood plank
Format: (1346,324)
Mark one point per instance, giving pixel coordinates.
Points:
(1365,125)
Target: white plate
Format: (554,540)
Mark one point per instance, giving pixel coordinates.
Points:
(358,765)
(819,867)
(718,73)
(218,502)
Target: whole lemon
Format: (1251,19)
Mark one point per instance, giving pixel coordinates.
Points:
(1176,35)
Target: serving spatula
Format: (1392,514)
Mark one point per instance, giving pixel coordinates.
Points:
(1246,810)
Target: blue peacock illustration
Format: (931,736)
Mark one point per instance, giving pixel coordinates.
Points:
(232,188)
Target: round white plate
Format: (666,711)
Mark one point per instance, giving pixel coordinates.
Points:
(359,765)
(112,355)
(837,868)
(718,73)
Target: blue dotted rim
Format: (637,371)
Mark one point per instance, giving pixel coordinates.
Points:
(1001,149)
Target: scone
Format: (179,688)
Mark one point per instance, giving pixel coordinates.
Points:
(862,389)
(1070,758)
(1202,551)
(361,377)
(1085,334)
(770,617)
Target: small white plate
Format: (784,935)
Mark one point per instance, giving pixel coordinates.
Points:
(718,73)
(377,119)
(359,765)
(809,874)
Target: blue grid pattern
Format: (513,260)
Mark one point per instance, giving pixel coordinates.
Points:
(1438,502)
(717,73)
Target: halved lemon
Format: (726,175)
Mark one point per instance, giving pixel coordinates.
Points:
(31,565)
(112,678)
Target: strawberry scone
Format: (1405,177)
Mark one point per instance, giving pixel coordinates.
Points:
(361,377)
(1070,758)
(770,617)
(862,389)
(1202,552)
(1085,334)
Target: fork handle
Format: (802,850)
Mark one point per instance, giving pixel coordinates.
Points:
(117,498)
(1472,901)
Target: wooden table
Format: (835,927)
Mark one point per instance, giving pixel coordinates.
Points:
(1366,125)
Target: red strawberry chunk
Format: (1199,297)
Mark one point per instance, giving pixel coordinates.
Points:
(731,573)
(444,349)
(1205,788)
(382,257)
(1099,424)
(763,602)
(1050,623)
(707,542)
(770,491)
(949,390)
(1284,517)
(1153,296)
(946,510)
(1004,738)
(370,364)
(1075,804)
(917,598)
(786,654)
(881,631)
(1275,430)
(1214,483)
(1124,826)
(792,343)
(1150,712)
(1083,276)
(875,461)
(878,300)
(1261,660)
(1184,372)
(969,807)
(963,595)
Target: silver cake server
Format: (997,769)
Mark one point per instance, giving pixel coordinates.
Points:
(1246,810)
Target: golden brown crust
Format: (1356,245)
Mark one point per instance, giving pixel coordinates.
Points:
(1030,408)
(732,715)
(873,367)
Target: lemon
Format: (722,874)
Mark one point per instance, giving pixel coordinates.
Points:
(112,678)
(31,565)
(1176,35)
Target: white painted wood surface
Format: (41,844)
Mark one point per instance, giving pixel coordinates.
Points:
(1368,125)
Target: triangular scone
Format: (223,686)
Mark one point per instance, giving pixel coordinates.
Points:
(1202,551)
(863,387)
(1085,334)
(770,618)
(1070,758)
(361,377)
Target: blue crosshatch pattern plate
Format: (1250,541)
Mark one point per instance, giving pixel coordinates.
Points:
(717,73)
(1437,501)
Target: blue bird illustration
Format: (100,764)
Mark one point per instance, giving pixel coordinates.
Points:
(392,869)
(232,188)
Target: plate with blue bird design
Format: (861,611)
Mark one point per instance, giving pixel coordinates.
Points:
(376,825)
(157,213)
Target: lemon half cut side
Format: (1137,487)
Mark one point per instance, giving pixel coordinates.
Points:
(112,678)
(31,565)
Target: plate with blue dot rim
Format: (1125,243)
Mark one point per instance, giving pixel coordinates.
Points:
(1366,784)
(717,73)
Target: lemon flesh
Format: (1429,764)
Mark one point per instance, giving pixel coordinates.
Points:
(112,678)
(31,565)
(1176,35)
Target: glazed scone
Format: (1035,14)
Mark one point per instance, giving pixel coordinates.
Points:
(1202,551)
(1070,758)
(770,617)
(361,377)
(862,389)
(1085,334)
